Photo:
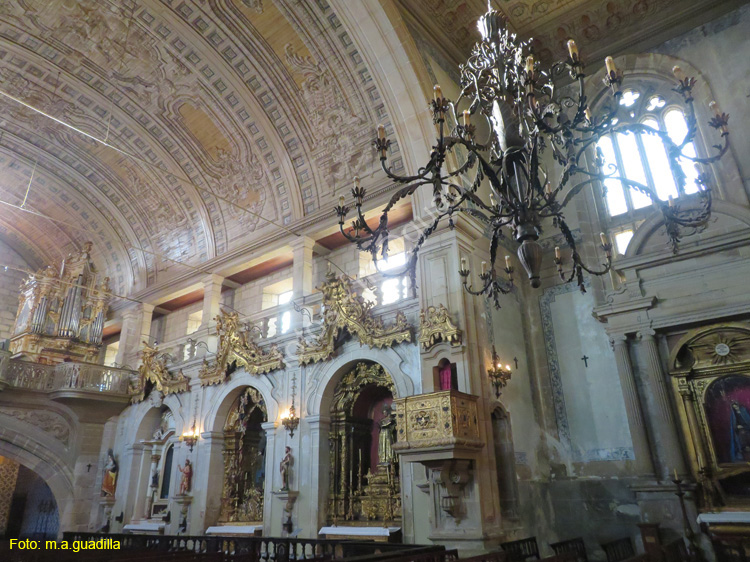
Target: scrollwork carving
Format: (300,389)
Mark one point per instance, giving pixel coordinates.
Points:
(49,422)
(236,347)
(435,325)
(345,309)
(154,369)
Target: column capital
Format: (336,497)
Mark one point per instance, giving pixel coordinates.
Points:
(212,279)
(618,339)
(317,422)
(269,426)
(302,242)
(646,334)
(138,308)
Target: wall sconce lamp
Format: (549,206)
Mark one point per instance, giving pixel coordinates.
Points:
(190,438)
(290,420)
(499,375)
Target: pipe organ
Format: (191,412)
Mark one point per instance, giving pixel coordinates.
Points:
(61,312)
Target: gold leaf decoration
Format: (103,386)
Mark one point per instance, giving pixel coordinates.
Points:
(236,347)
(345,309)
(435,325)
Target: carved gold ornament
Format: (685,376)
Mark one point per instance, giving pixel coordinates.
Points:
(435,326)
(443,420)
(235,347)
(345,309)
(153,368)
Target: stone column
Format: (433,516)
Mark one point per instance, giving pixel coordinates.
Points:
(211,298)
(271,471)
(644,465)
(151,488)
(670,450)
(208,481)
(314,473)
(689,400)
(302,274)
(136,327)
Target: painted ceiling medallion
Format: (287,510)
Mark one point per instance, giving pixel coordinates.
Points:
(236,347)
(345,309)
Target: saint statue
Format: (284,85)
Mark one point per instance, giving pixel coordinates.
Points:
(284,467)
(109,481)
(385,438)
(739,433)
(186,480)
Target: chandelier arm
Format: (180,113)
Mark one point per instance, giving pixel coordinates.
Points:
(403,193)
(721,150)
(420,175)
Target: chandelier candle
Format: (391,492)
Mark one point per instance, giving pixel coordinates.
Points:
(534,122)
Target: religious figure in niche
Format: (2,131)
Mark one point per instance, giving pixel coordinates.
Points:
(284,467)
(186,480)
(728,416)
(109,481)
(385,438)
(739,433)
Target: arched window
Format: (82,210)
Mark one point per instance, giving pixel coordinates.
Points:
(642,157)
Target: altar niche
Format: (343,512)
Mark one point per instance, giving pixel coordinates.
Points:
(365,485)
(244,460)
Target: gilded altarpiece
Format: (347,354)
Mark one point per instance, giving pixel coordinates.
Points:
(61,312)
(244,460)
(710,368)
(365,486)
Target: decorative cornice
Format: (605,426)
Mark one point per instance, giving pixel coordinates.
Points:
(435,326)
(235,347)
(345,309)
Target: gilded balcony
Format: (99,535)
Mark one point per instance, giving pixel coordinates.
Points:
(438,425)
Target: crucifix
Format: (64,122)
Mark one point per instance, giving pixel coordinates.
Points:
(88,467)
(515,360)
(585,360)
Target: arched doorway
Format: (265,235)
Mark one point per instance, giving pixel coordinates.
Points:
(365,478)
(243,489)
(28,508)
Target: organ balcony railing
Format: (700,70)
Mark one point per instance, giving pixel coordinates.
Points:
(66,381)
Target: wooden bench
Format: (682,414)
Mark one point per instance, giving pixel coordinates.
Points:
(576,546)
(619,550)
(521,550)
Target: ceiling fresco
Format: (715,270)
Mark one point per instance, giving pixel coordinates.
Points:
(600,27)
(225,120)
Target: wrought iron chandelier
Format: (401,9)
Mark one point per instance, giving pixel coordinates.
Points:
(528,116)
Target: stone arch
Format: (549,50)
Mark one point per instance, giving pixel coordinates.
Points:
(56,473)
(654,223)
(679,357)
(147,414)
(227,393)
(327,376)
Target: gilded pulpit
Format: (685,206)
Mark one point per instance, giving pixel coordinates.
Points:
(61,312)
(365,487)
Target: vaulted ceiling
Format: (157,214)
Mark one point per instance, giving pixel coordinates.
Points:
(223,120)
(600,27)
(175,131)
